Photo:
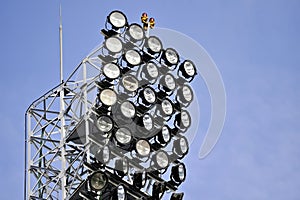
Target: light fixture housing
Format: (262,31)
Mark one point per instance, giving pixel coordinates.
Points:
(168,82)
(181,146)
(98,181)
(111,71)
(185,94)
(128,109)
(113,45)
(171,57)
(188,69)
(154,45)
(117,19)
(136,32)
(164,136)
(130,83)
(178,173)
(166,107)
(108,97)
(121,166)
(177,196)
(151,71)
(119,193)
(123,136)
(161,160)
(143,148)
(147,122)
(105,123)
(132,57)
(148,95)
(139,179)
(158,190)
(103,155)
(183,120)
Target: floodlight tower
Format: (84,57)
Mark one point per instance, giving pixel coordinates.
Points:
(115,129)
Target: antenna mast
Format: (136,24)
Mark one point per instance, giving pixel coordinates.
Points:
(60,46)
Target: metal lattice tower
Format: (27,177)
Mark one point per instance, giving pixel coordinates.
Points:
(61,134)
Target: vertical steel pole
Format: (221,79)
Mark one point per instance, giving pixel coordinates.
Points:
(62,116)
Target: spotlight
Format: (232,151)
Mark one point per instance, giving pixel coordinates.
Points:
(183,119)
(148,96)
(178,173)
(180,146)
(185,94)
(117,19)
(128,109)
(164,136)
(136,32)
(133,57)
(143,148)
(123,136)
(177,196)
(167,107)
(111,71)
(139,179)
(153,45)
(105,123)
(168,82)
(108,97)
(147,122)
(130,83)
(161,160)
(121,166)
(188,69)
(113,44)
(151,71)
(171,57)
(97,181)
(103,155)
(158,190)
(119,193)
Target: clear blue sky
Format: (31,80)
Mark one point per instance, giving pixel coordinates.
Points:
(255,44)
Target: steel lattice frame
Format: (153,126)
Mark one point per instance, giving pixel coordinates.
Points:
(50,157)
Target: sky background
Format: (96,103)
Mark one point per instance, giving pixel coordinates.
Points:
(255,44)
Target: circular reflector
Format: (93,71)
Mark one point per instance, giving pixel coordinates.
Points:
(113,44)
(169,82)
(143,148)
(128,109)
(167,107)
(133,57)
(185,119)
(98,180)
(108,97)
(136,32)
(149,95)
(104,123)
(171,56)
(181,146)
(151,70)
(186,94)
(117,19)
(154,44)
(130,83)
(123,136)
(162,159)
(164,136)
(188,68)
(147,122)
(111,71)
